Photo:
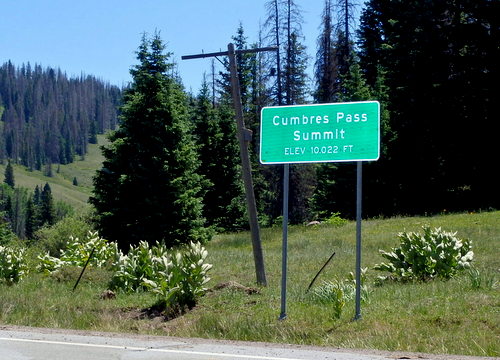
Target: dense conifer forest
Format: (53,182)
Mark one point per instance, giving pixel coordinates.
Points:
(47,117)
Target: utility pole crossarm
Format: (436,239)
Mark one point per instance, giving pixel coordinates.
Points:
(203,55)
(226,53)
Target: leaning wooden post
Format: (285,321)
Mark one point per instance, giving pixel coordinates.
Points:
(244,137)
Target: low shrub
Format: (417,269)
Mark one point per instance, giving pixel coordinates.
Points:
(335,293)
(177,276)
(54,238)
(134,271)
(435,253)
(78,251)
(6,234)
(68,273)
(13,266)
(335,220)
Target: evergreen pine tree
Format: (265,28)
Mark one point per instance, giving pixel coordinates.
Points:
(34,213)
(31,218)
(47,209)
(9,175)
(93,133)
(36,196)
(354,84)
(8,207)
(148,188)
(48,170)
(295,71)
(19,211)
(215,130)
(243,63)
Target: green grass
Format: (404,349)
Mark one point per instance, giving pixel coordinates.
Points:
(61,183)
(459,316)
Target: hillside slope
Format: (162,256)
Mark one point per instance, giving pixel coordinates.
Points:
(61,181)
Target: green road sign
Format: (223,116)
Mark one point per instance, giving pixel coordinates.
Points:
(320,133)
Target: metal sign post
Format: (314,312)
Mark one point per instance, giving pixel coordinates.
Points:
(321,133)
(284,248)
(359,180)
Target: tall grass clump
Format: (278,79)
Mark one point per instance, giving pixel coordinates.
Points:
(337,293)
(480,279)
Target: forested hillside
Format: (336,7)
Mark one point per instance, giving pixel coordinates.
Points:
(49,118)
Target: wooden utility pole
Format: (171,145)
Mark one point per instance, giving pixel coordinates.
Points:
(244,137)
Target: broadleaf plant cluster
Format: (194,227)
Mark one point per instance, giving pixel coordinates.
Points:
(424,256)
(77,252)
(178,277)
(13,266)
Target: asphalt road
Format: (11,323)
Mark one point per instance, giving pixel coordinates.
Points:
(19,343)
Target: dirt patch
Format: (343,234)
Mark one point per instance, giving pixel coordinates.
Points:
(233,285)
(107,295)
(159,312)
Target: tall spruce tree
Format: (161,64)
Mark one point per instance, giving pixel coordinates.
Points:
(148,188)
(216,138)
(326,73)
(47,209)
(9,175)
(31,218)
(302,177)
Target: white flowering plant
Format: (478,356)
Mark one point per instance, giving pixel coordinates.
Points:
(13,266)
(423,256)
(177,276)
(78,251)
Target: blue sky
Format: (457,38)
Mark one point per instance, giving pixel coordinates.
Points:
(100,37)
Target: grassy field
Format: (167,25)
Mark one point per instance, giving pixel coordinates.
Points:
(459,316)
(61,181)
